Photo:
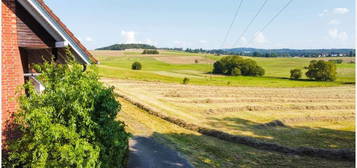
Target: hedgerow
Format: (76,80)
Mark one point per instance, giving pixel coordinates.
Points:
(70,124)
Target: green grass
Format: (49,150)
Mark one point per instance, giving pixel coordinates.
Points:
(277,71)
(207,152)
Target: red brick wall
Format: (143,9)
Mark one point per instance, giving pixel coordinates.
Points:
(12,71)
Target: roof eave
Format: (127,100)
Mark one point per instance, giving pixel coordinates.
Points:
(41,15)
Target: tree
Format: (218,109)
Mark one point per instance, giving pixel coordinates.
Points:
(229,64)
(150,52)
(218,67)
(127,46)
(236,72)
(72,123)
(136,66)
(321,71)
(295,74)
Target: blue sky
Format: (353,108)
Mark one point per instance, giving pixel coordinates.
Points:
(204,23)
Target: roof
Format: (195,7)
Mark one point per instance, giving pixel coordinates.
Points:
(46,17)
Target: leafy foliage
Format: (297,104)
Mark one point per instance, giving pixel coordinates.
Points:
(336,61)
(235,65)
(70,124)
(127,46)
(295,74)
(147,51)
(236,72)
(185,81)
(321,71)
(136,66)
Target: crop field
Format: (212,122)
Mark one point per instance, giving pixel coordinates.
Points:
(324,114)
(173,66)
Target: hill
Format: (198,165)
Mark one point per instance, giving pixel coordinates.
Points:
(127,46)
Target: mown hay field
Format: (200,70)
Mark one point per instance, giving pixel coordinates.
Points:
(209,152)
(173,66)
(319,117)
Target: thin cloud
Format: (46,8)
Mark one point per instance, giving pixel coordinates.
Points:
(259,38)
(129,37)
(340,11)
(334,22)
(150,42)
(335,34)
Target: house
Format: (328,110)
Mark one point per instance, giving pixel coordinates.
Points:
(30,32)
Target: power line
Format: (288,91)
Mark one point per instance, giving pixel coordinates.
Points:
(273,18)
(250,23)
(232,23)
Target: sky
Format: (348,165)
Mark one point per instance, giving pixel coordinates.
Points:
(304,24)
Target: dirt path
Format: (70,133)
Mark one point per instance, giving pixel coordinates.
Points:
(145,151)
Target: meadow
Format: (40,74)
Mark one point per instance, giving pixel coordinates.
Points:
(270,108)
(173,66)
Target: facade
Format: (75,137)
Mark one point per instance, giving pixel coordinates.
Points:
(30,32)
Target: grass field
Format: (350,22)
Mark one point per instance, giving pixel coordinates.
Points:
(171,66)
(314,114)
(324,114)
(207,152)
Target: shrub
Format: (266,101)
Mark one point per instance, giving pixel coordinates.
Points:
(196,61)
(236,72)
(136,66)
(186,81)
(336,61)
(229,64)
(72,123)
(321,71)
(147,51)
(295,74)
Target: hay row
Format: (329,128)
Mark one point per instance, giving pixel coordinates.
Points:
(251,95)
(336,154)
(279,107)
(256,100)
(319,118)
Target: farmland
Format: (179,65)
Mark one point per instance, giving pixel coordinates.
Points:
(172,67)
(318,113)
(271,109)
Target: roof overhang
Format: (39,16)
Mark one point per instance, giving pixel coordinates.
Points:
(54,28)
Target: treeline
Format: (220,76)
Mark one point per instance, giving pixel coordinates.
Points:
(253,52)
(127,46)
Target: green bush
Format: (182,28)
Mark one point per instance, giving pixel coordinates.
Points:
(136,66)
(321,71)
(229,64)
(186,81)
(236,72)
(295,74)
(336,61)
(147,51)
(72,123)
